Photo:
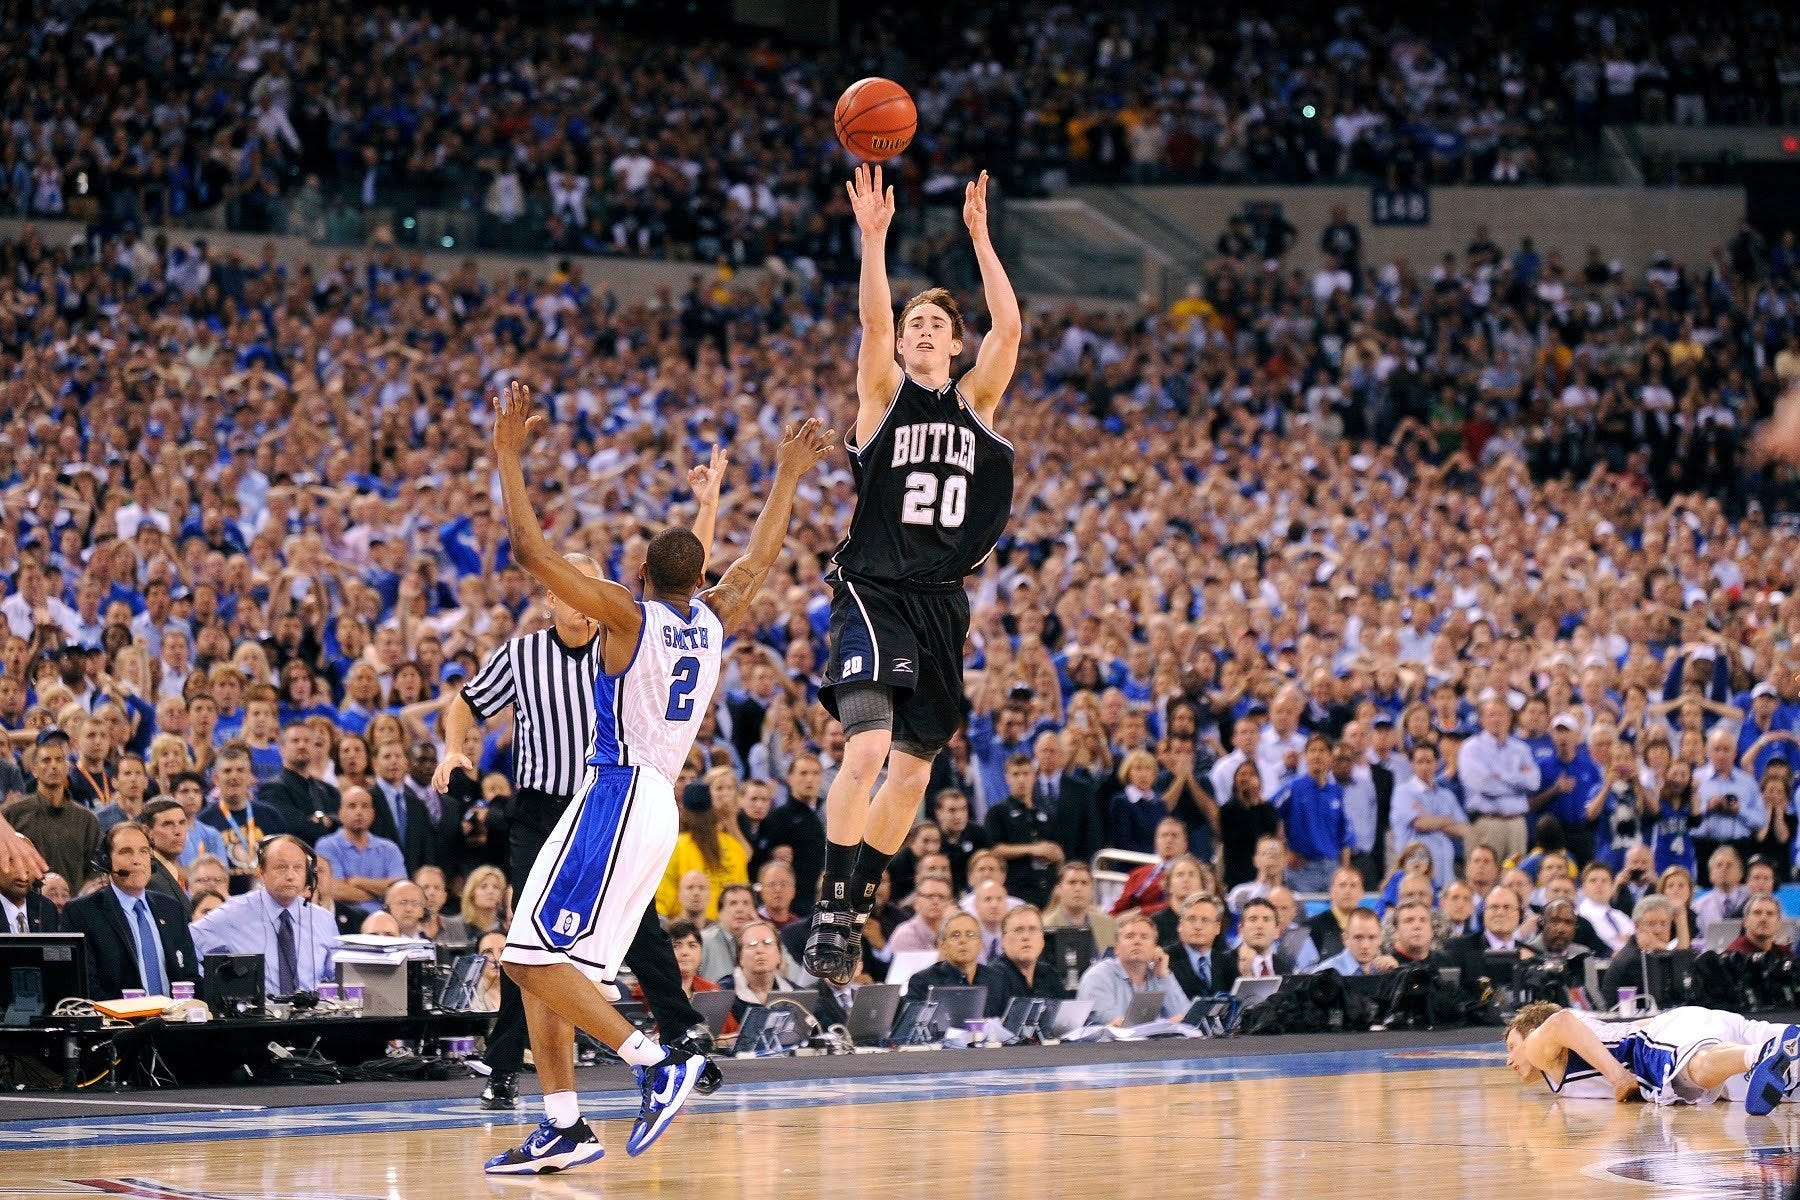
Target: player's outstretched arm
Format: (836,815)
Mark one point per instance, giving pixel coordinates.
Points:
(877,374)
(1550,1044)
(986,381)
(600,599)
(801,449)
(705,481)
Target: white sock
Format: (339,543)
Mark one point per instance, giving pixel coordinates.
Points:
(640,1051)
(562,1108)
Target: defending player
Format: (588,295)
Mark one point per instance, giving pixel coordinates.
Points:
(580,907)
(934,488)
(1687,1055)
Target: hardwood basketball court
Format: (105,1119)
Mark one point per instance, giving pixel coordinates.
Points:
(1428,1122)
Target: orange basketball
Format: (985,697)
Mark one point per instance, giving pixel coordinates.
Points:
(875,119)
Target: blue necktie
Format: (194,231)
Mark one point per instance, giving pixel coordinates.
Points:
(397,802)
(153,973)
(1205,969)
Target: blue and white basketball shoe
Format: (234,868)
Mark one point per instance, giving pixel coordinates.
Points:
(1773,1075)
(548,1149)
(666,1086)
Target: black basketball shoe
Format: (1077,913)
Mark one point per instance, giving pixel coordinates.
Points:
(834,947)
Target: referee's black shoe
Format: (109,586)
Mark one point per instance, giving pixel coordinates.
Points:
(501,1093)
(699,1040)
(834,947)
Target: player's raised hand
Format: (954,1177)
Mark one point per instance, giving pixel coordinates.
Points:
(873,206)
(514,422)
(455,761)
(975,210)
(707,478)
(1778,438)
(803,445)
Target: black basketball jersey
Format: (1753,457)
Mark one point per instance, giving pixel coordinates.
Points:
(933,492)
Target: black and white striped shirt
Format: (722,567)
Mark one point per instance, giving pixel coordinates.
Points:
(550,687)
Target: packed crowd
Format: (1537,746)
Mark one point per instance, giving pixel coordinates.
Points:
(569,134)
(1426,577)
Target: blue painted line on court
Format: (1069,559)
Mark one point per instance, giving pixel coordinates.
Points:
(88,1131)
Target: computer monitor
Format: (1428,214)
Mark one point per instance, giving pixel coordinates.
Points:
(232,984)
(1501,967)
(38,971)
(1070,952)
(766,1031)
(1668,976)
(715,1007)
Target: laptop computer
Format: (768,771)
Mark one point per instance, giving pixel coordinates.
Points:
(1063,1017)
(872,1011)
(1144,1008)
(716,1008)
(1250,990)
(958,1005)
(806,998)
(917,1024)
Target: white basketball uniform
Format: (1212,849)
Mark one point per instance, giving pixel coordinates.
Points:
(600,867)
(1659,1048)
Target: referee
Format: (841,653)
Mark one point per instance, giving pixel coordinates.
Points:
(548,679)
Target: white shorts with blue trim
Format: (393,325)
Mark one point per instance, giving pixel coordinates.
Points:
(1663,1047)
(596,874)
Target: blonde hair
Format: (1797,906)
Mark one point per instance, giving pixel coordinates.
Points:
(1133,761)
(476,877)
(1530,1018)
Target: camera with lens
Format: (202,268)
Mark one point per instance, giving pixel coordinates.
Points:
(1542,979)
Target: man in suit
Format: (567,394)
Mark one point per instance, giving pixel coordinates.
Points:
(1327,929)
(400,816)
(1499,936)
(446,812)
(135,938)
(1199,961)
(1075,823)
(166,821)
(23,908)
(1259,953)
(1075,907)
(308,806)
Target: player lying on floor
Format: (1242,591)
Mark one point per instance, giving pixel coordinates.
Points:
(1687,1055)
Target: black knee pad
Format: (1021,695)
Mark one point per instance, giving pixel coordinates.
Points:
(918,749)
(865,706)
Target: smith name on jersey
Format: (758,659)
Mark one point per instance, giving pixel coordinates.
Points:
(649,714)
(933,492)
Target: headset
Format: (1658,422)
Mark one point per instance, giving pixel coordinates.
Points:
(300,1000)
(100,862)
(312,859)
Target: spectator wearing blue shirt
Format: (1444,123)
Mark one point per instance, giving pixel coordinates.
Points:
(1729,802)
(996,737)
(1567,786)
(1318,829)
(1763,738)
(1499,778)
(365,865)
(1426,812)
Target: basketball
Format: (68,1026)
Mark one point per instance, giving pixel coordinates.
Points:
(875,119)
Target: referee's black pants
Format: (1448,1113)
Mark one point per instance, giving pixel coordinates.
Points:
(651,958)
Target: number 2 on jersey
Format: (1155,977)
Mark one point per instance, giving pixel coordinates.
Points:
(681,689)
(922,491)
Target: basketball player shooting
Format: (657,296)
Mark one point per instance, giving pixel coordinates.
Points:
(581,906)
(934,486)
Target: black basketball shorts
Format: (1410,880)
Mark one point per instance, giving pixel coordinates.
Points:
(912,641)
